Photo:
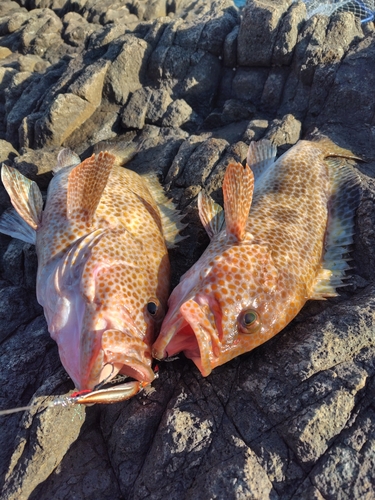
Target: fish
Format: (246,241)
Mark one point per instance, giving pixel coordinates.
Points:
(103,276)
(282,239)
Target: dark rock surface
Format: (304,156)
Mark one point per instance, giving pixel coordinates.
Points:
(195,81)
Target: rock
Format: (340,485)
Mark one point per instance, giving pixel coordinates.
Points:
(19,107)
(182,156)
(154,9)
(127,70)
(236,110)
(19,81)
(259,30)
(230,48)
(146,105)
(67,112)
(284,132)
(20,264)
(16,308)
(134,114)
(178,113)
(158,103)
(37,165)
(103,125)
(249,84)
(76,29)
(255,130)
(291,24)
(203,158)
(44,419)
(7,151)
(32,62)
(89,84)
(349,83)
(40,32)
(4,52)
(273,89)
(292,419)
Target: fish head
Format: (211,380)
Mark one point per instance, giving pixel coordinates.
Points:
(224,306)
(103,311)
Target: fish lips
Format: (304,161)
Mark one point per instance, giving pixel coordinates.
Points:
(125,353)
(196,331)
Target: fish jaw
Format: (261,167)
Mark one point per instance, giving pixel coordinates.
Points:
(118,348)
(193,331)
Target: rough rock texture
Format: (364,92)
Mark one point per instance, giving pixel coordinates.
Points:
(195,82)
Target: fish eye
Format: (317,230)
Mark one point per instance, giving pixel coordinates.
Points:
(152,307)
(249,321)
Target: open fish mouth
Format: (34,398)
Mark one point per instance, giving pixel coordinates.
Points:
(194,333)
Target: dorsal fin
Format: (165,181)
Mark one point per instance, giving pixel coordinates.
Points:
(261,155)
(66,158)
(86,183)
(211,214)
(238,188)
(170,216)
(24,195)
(344,200)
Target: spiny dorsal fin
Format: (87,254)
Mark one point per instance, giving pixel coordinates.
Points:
(261,156)
(66,158)
(24,195)
(170,216)
(344,200)
(211,214)
(238,188)
(86,184)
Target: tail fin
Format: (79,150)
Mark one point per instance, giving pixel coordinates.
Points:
(13,225)
(24,195)
(124,151)
(329,148)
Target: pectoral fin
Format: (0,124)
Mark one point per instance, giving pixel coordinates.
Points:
(238,188)
(86,184)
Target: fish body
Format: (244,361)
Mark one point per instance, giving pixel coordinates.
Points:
(103,267)
(282,241)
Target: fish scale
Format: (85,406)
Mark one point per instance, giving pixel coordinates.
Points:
(101,243)
(278,243)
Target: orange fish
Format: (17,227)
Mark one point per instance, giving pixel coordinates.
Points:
(103,267)
(284,240)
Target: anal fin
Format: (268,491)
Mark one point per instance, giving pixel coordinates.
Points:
(86,184)
(342,206)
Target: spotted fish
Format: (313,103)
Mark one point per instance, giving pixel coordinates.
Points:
(284,240)
(103,267)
